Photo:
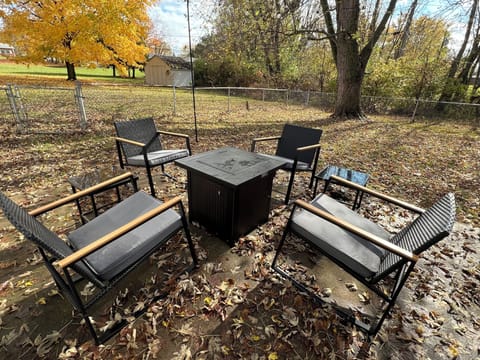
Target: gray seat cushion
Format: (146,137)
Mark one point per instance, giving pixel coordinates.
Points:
(289,162)
(355,252)
(158,157)
(120,254)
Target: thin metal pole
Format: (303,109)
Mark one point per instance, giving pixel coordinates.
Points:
(192,73)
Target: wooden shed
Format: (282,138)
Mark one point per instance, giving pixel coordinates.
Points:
(7,50)
(167,71)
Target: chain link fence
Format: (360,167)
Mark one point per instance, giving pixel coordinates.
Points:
(40,109)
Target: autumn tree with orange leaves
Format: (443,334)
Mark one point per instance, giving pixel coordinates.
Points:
(87,32)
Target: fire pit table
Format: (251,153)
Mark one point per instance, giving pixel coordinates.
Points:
(229,190)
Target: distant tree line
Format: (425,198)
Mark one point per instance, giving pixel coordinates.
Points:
(349,47)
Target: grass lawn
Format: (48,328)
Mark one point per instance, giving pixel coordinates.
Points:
(234,306)
(59,72)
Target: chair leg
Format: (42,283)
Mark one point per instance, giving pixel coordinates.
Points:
(188,236)
(284,236)
(400,280)
(314,167)
(311,180)
(150,180)
(341,312)
(290,183)
(72,293)
(371,329)
(279,249)
(290,186)
(120,154)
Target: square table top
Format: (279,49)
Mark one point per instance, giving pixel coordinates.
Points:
(230,165)
(355,176)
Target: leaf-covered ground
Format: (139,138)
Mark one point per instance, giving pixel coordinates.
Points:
(234,306)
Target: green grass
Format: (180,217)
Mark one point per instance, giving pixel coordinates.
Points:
(60,72)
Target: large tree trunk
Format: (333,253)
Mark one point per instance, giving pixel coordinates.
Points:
(351,62)
(71,75)
(349,68)
(349,79)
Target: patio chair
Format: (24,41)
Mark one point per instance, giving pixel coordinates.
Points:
(104,250)
(139,144)
(299,147)
(376,258)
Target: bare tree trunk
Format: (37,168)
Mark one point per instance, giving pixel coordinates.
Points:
(466,72)
(476,83)
(330,28)
(71,75)
(405,34)
(375,14)
(447,91)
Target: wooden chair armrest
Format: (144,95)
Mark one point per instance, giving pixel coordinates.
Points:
(173,134)
(267,138)
(78,194)
(131,142)
(108,238)
(379,195)
(254,141)
(309,147)
(358,231)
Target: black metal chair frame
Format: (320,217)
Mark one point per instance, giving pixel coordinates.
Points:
(399,273)
(123,180)
(144,148)
(72,266)
(308,152)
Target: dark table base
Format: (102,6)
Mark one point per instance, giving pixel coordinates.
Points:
(229,212)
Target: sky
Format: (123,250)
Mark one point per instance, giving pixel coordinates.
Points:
(170,20)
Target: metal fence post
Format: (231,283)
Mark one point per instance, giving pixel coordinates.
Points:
(17,107)
(174,101)
(228,97)
(81,105)
(417,101)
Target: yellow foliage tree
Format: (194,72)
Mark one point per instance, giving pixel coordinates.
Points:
(87,32)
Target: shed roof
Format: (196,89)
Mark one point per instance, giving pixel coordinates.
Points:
(174,62)
(5,46)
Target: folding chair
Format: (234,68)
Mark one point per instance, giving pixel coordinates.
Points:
(299,147)
(104,250)
(139,144)
(363,248)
